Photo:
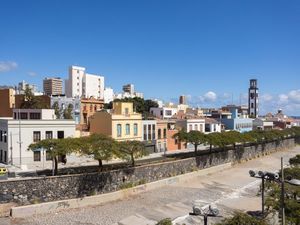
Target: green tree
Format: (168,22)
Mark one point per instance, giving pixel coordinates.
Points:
(242,219)
(295,161)
(232,138)
(131,150)
(196,138)
(213,139)
(31,101)
(68,112)
(57,110)
(55,147)
(100,146)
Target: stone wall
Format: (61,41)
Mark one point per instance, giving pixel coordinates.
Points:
(43,189)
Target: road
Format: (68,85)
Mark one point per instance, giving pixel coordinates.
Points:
(231,189)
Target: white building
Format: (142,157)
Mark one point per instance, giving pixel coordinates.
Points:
(262,124)
(16,135)
(191,124)
(163,112)
(82,84)
(212,125)
(108,95)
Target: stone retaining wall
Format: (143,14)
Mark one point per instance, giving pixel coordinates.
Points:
(44,189)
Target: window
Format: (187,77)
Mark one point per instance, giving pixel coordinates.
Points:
(165,133)
(5,136)
(153,131)
(95,108)
(49,135)
(149,131)
(145,132)
(60,134)
(119,130)
(1,155)
(201,127)
(126,111)
(127,129)
(190,127)
(36,136)
(24,116)
(159,134)
(91,108)
(35,116)
(37,156)
(135,129)
(5,156)
(1,135)
(15,115)
(161,113)
(252,105)
(196,126)
(168,112)
(48,156)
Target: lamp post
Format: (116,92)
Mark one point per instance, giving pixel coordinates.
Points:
(205,211)
(275,177)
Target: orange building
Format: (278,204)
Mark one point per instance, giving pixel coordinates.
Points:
(88,107)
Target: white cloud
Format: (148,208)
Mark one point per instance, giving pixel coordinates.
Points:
(208,97)
(283,99)
(266,98)
(7,66)
(294,96)
(32,74)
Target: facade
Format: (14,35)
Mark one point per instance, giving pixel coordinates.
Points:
(82,84)
(121,123)
(88,107)
(108,95)
(128,88)
(164,112)
(7,102)
(64,102)
(190,124)
(237,121)
(16,135)
(149,134)
(162,135)
(253,99)
(212,125)
(52,86)
(262,124)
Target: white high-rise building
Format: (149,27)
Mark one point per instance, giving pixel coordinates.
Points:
(82,84)
(108,95)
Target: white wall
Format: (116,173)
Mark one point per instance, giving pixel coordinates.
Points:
(108,95)
(27,128)
(94,86)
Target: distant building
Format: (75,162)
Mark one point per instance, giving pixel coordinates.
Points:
(253,99)
(182,100)
(128,88)
(121,123)
(34,125)
(149,135)
(162,135)
(163,112)
(262,124)
(63,103)
(212,126)
(82,84)
(52,86)
(22,86)
(236,120)
(108,95)
(191,124)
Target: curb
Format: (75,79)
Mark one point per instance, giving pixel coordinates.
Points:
(50,207)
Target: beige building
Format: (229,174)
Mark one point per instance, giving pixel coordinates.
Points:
(7,102)
(122,123)
(52,86)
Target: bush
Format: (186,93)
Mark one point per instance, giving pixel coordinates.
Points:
(242,219)
(166,221)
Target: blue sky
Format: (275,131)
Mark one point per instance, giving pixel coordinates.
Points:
(207,50)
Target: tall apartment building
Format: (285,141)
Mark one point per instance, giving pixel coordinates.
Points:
(128,88)
(52,86)
(253,99)
(82,84)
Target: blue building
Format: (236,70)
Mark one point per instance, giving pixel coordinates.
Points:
(238,120)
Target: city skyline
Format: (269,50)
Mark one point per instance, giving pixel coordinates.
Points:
(206,51)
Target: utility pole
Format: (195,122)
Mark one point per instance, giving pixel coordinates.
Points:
(20,139)
(263,195)
(11,149)
(282,195)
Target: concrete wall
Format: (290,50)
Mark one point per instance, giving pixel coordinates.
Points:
(46,189)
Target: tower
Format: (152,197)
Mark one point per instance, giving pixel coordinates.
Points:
(253,99)
(182,100)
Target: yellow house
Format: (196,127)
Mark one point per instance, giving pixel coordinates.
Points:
(122,123)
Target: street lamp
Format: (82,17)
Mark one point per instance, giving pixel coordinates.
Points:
(205,211)
(274,177)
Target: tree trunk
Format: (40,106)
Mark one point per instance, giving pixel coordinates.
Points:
(100,164)
(132,160)
(55,165)
(196,147)
(210,147)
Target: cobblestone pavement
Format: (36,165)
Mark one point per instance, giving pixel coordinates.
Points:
(231,189)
